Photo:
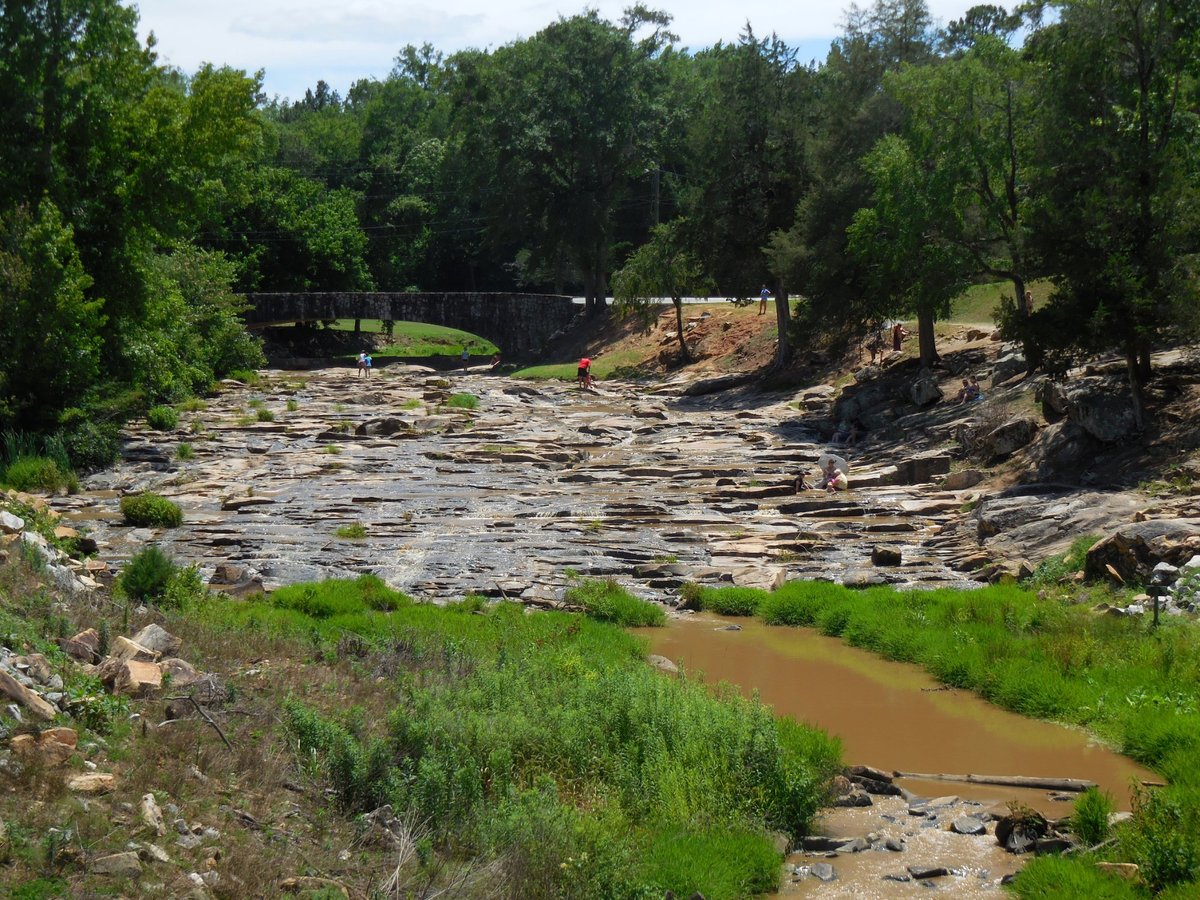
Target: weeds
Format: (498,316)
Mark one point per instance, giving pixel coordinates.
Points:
(354,532)
(151,510)
(184,451)
(607,601)
(162,418)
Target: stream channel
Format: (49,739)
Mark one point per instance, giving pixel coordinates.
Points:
(896,717)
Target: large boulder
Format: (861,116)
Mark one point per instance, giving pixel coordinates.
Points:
(1133,551)
(1008,366)
(1101,406)
(924,390)
(1011,436)
(158,640)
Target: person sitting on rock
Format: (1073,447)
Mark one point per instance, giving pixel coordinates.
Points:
(833,478)
(974,391)
(961,396)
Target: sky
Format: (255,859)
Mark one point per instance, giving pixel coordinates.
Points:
(298,42)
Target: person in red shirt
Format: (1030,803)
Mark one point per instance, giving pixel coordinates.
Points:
(584,373)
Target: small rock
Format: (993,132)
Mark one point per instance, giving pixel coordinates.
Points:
(920,873)
(92,783)
(305,884)
(83,646)
(10,524)
(158,639)
(968,825)
(886,556)
(857,845)
(124,865)
(823,872)
(662,664)
(189,841)
(896,845)
(156,853)
(1128,871)
(152,816)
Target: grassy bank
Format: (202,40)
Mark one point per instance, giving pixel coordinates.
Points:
(420,339)
(1134,685)
(543,741)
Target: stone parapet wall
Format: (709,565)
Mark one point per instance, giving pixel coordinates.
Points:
(519,324)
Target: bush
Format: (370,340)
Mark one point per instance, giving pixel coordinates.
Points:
(1063,878)
(150,510)
(463,401)
(1163,839)
(1089,821)
(354,532)
(246,376)
(39,473)
(265,415)
(184,451)
(147,575)
(90,445)
(609,602)
(732,601)
(163,418)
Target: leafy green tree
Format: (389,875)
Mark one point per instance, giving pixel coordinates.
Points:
(969,118)
(556,126)
(896,237)
(745,168)
(50,333)
(812,255)
(662,267)
(1118,185)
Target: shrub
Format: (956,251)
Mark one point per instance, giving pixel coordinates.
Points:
(163,418)
(184,451)
(1089,821)
(90,445)
(732,601)
(292,405)
(1163,839)
(265,415)
(39,473)
(463,401)
(147,575)
(151,510)
(609,602)
(355,532)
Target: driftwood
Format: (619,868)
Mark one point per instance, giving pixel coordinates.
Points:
(1023,781)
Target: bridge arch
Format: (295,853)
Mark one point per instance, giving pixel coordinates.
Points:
(521,325)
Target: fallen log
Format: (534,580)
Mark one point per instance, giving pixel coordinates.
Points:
(1077,785)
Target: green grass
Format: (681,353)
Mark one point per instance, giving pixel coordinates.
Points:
(602,367)
(184,451)
(355,532)
(39,473)
(264,415)
(726,601)
(609,602)
(151,510)
(462,401)
(976,304)
(545,742)
(422,339)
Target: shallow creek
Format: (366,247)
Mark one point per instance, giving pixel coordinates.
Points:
(896,717)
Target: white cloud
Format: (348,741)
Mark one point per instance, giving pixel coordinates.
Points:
(298,42)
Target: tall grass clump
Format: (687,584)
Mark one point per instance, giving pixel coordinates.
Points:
(725,601)
(152,576)
(463,401)
(150,510)
(607,601)
(163,418)
(1089,820)
(39,473)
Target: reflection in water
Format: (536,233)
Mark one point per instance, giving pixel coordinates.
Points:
(893,715)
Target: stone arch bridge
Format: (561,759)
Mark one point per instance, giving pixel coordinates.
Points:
(521,325)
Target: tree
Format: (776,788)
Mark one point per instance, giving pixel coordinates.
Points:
(1118,185)
(662,267)
(556,127)
(969,118)
(912,268)
(50,333)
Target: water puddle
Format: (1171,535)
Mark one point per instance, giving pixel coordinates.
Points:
(893,715)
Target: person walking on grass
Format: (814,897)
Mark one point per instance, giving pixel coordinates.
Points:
(763,296)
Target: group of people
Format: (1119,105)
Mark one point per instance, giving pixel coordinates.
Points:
(833,478)
(364,364)
(969,391)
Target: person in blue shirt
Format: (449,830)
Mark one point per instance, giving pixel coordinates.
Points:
(763,296)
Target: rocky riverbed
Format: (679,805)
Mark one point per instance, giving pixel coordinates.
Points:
(542,482)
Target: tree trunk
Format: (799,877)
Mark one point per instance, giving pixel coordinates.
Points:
(783,318)
(927,339)
(683,347)
(1145,371)
(1033,353)
(1136,387)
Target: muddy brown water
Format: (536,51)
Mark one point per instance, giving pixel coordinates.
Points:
(893,715)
